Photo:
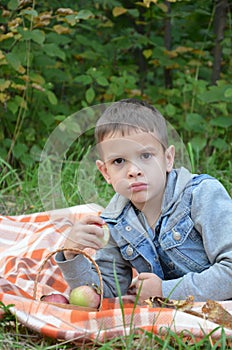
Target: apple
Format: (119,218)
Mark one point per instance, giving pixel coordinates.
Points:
(87,296)
(55,298)
(106,236)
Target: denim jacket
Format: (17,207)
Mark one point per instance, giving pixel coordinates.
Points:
(190,248)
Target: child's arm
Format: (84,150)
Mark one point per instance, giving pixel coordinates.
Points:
(79,270)
(212,216)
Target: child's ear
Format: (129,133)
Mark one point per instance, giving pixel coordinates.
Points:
(170,156)
(103,170)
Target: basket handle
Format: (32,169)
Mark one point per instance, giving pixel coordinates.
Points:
(74,250)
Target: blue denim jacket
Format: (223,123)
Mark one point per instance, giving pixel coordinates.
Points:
(190,248)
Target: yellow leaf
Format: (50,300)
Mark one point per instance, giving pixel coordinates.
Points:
(183,49)
(6,36)
(4,97)
(142,23)
(4,84)
(65,11)
(43,19)
(14,23)
(140,3)
(163,7)
(147,53)
(38,87)
(59,29)
(155,62)
(44,16)
(21,69)
(5,13)
(37,78)
(24,2)
(135,92)
(2,56)
(170,54)
(19,87)
(194,62)
(198,52)
(118,11)
(172,66)
(106,23)
(25,78)
(147,3)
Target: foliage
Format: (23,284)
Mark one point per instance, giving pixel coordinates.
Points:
(55,61)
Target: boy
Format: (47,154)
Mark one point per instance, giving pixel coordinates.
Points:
(173,227)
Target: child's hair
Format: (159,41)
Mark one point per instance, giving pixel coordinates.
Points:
(131,115)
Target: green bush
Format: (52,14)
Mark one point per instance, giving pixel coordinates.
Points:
(55,61)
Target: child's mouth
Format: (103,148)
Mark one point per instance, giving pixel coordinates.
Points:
(138,186)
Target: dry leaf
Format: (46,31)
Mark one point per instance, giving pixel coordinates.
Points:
(211,310)
(182,305)
(217,314)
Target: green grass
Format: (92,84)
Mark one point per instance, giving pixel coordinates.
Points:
(19,194)
(16,336)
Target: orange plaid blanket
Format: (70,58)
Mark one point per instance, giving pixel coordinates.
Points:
(25,242)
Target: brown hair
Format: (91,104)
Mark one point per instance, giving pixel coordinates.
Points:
(131,114)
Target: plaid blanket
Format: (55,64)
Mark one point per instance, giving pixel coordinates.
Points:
(26,240)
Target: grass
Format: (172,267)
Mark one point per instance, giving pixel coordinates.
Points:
(16,336)
(19,194)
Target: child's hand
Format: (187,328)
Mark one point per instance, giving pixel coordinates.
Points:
(87,233)
(151,286)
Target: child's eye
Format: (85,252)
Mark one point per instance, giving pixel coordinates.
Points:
(119,161)
(146,155)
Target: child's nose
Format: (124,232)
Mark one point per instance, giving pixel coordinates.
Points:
(134,170)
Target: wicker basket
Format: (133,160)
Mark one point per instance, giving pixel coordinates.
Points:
(70,306)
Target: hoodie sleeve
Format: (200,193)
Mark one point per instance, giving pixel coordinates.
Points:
(211,213)
(79,271)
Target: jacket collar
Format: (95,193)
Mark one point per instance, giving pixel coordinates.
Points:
(177,180)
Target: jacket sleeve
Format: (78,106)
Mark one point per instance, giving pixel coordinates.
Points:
(80,270)
(211,213)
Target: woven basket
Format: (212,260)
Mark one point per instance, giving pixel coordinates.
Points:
(70,306)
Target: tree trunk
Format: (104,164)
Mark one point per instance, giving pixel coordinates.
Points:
(167,44)
(219,28)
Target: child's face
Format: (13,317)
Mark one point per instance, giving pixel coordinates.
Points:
(136,166)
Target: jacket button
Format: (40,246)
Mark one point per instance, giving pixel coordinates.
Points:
(128,228)
(176,235)
(129,250)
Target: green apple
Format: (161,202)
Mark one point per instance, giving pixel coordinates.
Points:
(106,237)
(106,234)
(86,296)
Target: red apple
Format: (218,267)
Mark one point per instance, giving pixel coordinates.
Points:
(86,296)
(55,298)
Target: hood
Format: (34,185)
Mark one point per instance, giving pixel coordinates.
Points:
(115,207)
(177,180)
